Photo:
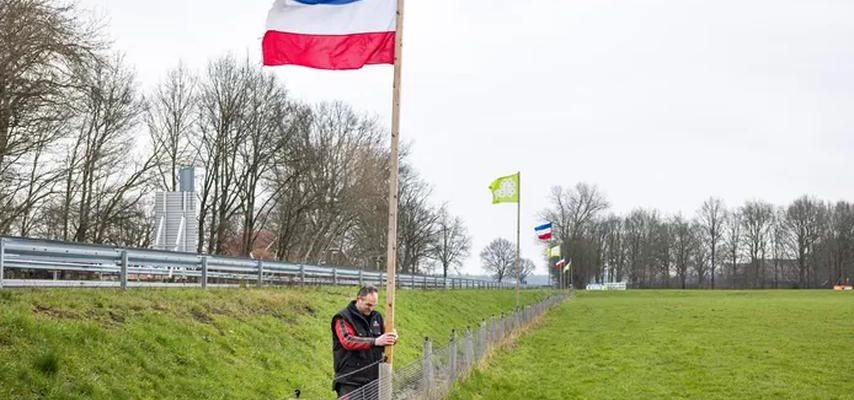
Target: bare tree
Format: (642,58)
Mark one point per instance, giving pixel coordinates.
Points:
(42,46)
(701,255)
(804,221)
(573,209)
(682,248)
(661,247)
(452,242)
(733,243)
(615,259)
(841,240)
(526,268)
(271,122)
(779,240)
(102,177)
(499,258)
(711,217)
(573,213)
(416,222)
(223,95)
(331,189)
(171,119)
(758,217)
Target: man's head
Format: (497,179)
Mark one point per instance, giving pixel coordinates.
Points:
(366,300)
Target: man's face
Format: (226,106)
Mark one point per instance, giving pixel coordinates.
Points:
(366,304)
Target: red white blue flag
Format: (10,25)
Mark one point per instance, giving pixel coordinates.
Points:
(330,34)
(544,231)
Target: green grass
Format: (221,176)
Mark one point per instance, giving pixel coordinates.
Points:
(195,344)
(680,345)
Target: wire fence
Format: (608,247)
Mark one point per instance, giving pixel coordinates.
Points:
(26,262)
(433,376)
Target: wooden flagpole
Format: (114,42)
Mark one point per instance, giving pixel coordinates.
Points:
(518,219)
(393,187)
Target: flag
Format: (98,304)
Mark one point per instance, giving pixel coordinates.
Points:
(544,231)
(505,189)
(330,34)
(568,265)
(553,251)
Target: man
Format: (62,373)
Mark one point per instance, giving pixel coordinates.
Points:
(358,339)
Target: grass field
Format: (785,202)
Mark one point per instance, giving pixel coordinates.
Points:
(195,344)
(680,345)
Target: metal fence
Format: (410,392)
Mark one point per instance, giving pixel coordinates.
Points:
(433,376)
(48,263)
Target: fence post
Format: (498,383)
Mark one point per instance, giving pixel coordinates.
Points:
(361,278)
(302,275)
(385,383)
(427,368)
(260,273)
(426,285)
(124,270)
(204,272)
(452,361)
(468,349)
(483,332)
(2,259)
(413,280)
(334,276)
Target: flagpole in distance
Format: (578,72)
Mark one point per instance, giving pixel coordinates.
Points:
(518,218)
(391,257)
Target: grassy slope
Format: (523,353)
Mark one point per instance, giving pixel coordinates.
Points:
(681,345)
(187,343)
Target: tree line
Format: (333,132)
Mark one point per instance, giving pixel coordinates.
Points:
(808,243)
(83,148)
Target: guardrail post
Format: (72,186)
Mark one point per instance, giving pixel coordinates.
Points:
(2,259)
(260,273)
(124,270)
(302,275)
(361,278)
(426,285)
(204,272)
(334,277)
(427,368)
(413,281)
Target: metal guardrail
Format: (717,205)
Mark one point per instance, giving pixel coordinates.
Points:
(110,266)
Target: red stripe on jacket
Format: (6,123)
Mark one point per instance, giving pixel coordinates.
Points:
(347,336)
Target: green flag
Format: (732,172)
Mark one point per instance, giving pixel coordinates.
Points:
(505,189)
(553,251)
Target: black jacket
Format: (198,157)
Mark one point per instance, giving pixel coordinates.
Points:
(348,364)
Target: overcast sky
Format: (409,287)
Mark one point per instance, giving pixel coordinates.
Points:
(661,103)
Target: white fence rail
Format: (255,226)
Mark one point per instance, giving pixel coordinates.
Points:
(69,264)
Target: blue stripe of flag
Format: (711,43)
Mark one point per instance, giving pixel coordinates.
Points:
(543,227)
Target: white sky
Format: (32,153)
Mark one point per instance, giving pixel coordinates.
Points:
(661,103)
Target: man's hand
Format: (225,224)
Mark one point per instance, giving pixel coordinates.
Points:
(386,339)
